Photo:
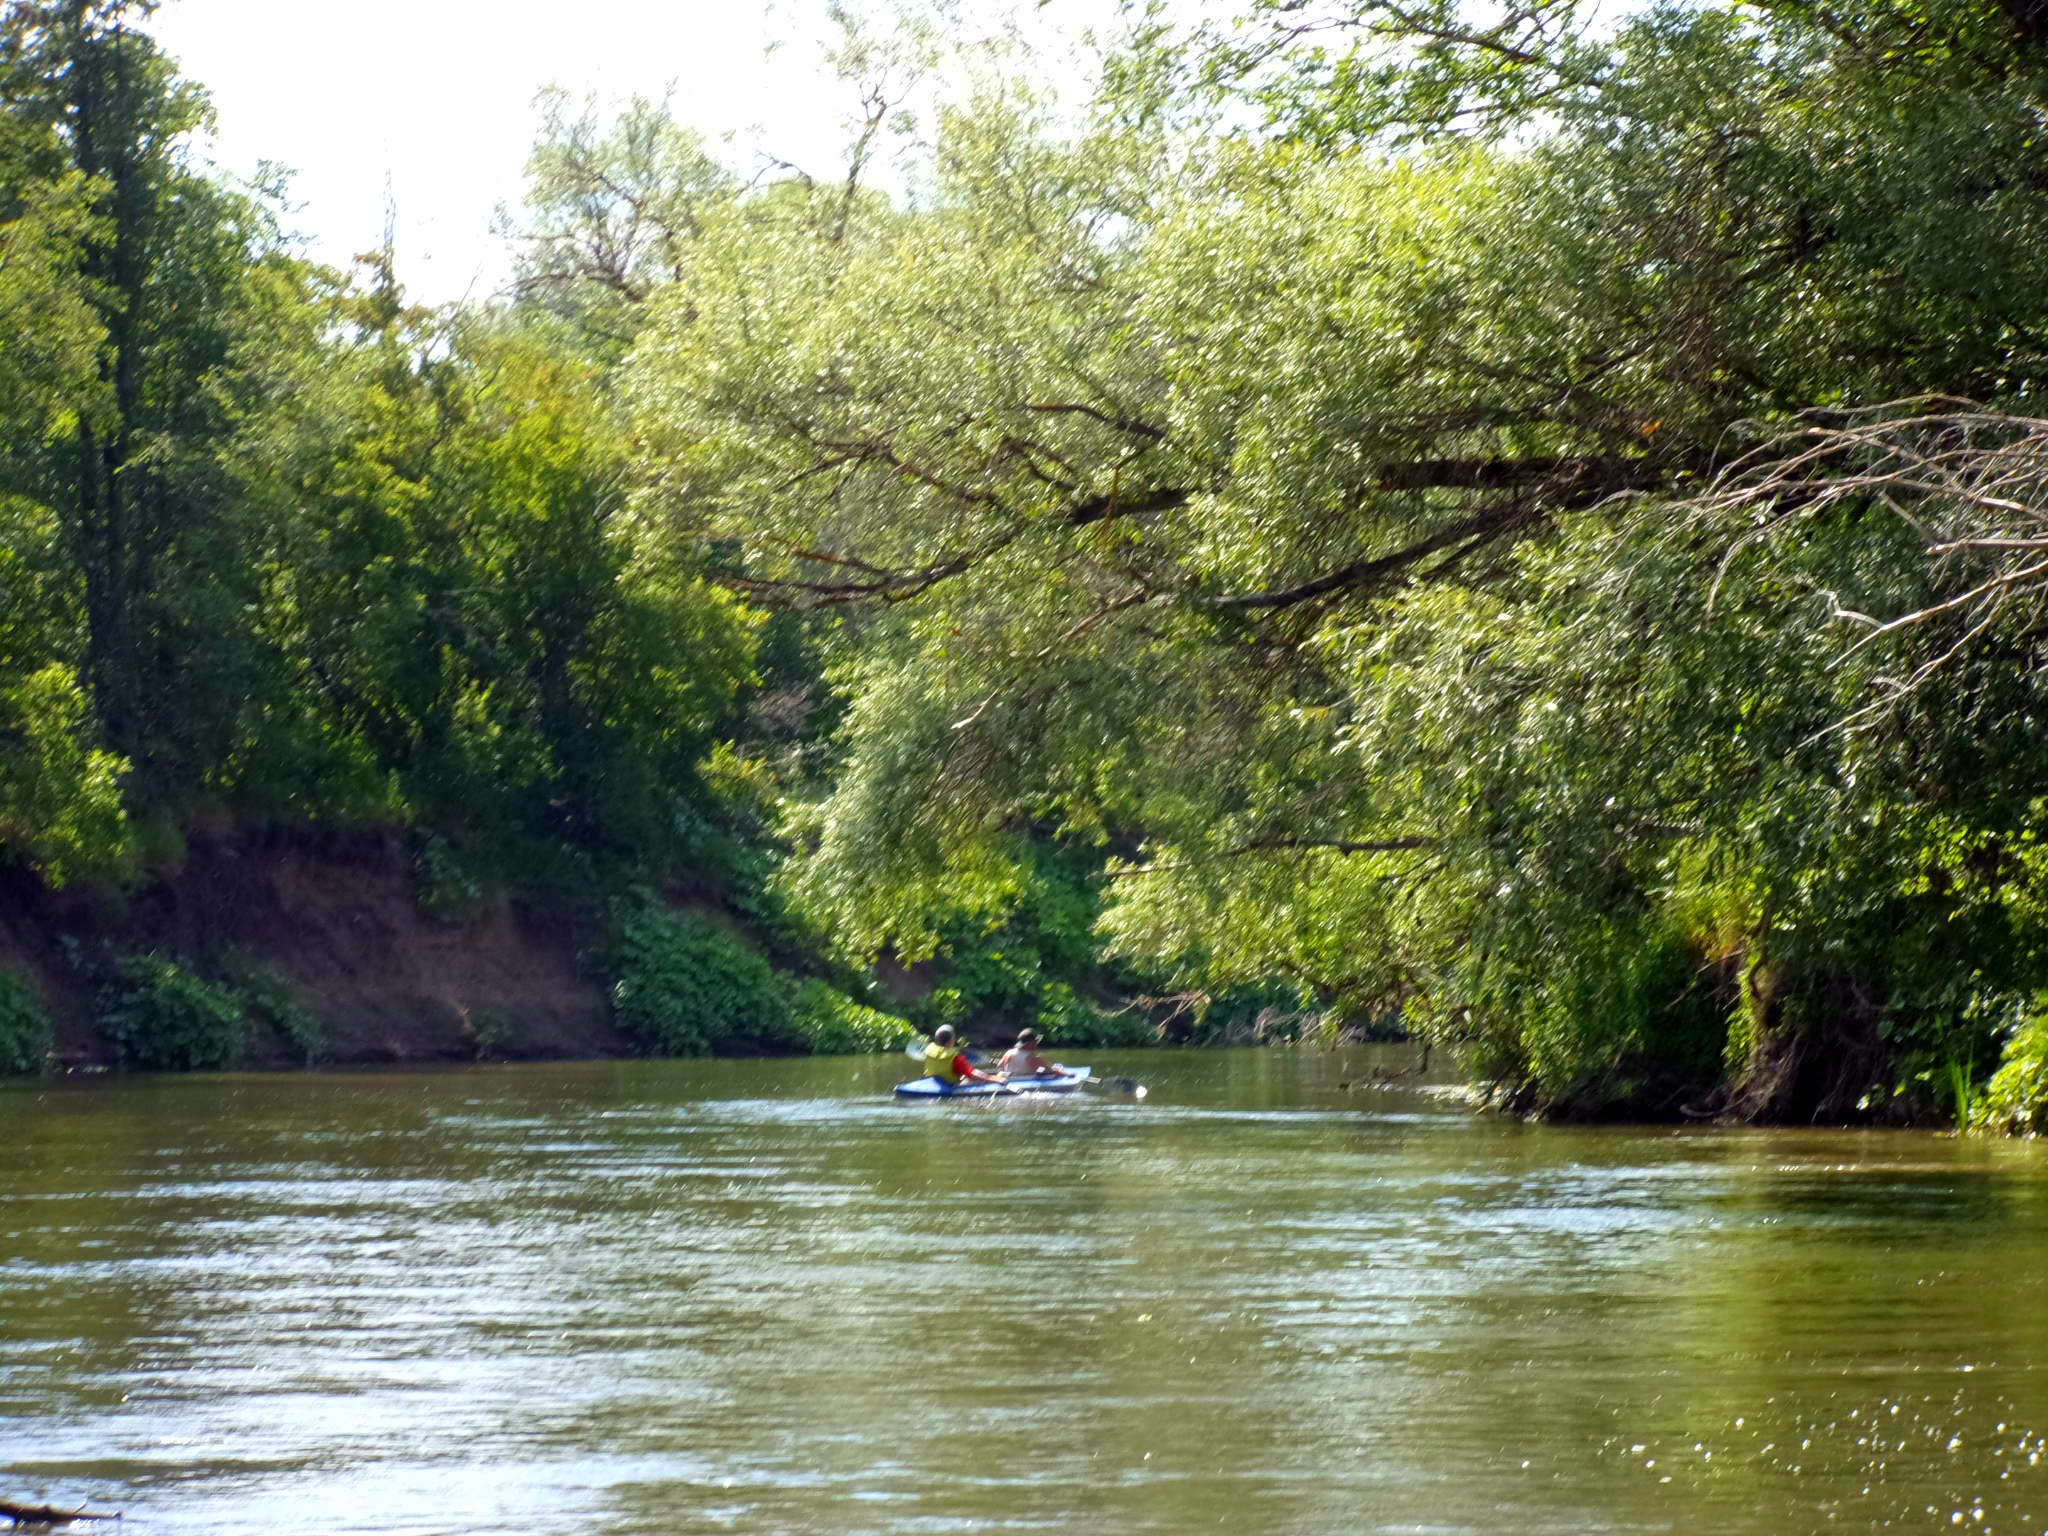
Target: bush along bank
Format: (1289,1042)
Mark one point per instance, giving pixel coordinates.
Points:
(686,983)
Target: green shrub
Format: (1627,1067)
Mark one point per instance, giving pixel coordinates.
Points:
(2016,1099)
(270,1002)
(157,1016)
(60,796)
(24,1028)
(491,1032)
(449,883)
(1274,1012)
(1621,1017)
(684,986)
(829,1023)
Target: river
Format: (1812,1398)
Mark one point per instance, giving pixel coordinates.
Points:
(761,1297)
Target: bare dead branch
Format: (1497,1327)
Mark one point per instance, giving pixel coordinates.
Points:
(1971,481)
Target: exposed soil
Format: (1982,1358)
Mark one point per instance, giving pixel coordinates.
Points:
(334,912)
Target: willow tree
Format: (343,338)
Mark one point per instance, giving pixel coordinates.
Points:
(1308,511)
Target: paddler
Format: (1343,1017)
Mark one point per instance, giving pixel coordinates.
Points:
(1023,1060)
(946,1061)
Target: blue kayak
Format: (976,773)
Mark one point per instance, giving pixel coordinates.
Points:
(934,1088)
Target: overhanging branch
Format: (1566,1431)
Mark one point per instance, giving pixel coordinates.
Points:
(1345,846)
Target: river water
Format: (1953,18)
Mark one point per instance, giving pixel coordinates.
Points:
(760,1297)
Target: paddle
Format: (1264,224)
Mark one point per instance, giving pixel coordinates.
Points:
(1121,1084)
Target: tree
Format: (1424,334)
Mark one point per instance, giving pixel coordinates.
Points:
(1301,508)
(133,480)
(49,375)
(59,797)
(478,628)
(610,210)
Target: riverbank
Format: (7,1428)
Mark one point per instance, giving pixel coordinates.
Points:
(335,916)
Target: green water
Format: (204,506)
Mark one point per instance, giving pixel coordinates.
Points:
(760,1297)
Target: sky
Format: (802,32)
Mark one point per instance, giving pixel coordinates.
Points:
(428,105)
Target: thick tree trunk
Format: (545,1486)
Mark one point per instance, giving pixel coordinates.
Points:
(1816,1052)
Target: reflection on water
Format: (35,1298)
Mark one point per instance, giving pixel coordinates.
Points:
(761,1297)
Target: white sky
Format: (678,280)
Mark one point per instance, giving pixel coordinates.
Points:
(434,100)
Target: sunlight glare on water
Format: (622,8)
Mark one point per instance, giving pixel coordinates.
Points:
(762,1297)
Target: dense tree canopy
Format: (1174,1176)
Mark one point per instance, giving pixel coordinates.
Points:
(1529,524)
(1337,510)
(279,544)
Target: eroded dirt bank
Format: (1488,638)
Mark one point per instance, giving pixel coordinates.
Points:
(335,913)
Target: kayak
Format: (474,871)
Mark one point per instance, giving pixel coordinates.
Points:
(934,1088)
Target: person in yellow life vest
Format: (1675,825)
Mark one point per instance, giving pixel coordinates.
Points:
(944,1060)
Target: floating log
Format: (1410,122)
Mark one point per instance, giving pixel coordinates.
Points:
(45,1514)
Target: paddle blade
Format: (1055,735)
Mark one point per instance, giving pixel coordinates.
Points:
(1121,1084)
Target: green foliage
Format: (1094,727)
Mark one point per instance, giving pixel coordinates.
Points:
(1960,1082)
(25,1036)
(686,986)
(1626,1019)
(1330,530)
(1015,959)
(1065,1018)
(450,883)
(610,210)
(829,1023)
(164,280)
(490,1033)
(156,1015)
(480,630)
(1273,1012)
(49,378)
(396,539)
(1310,532)
(2015,1102)
(60,797)
(270,1002)
(728,838)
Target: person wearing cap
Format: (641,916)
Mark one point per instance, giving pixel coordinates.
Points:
(1023,1060)
(945,1060)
